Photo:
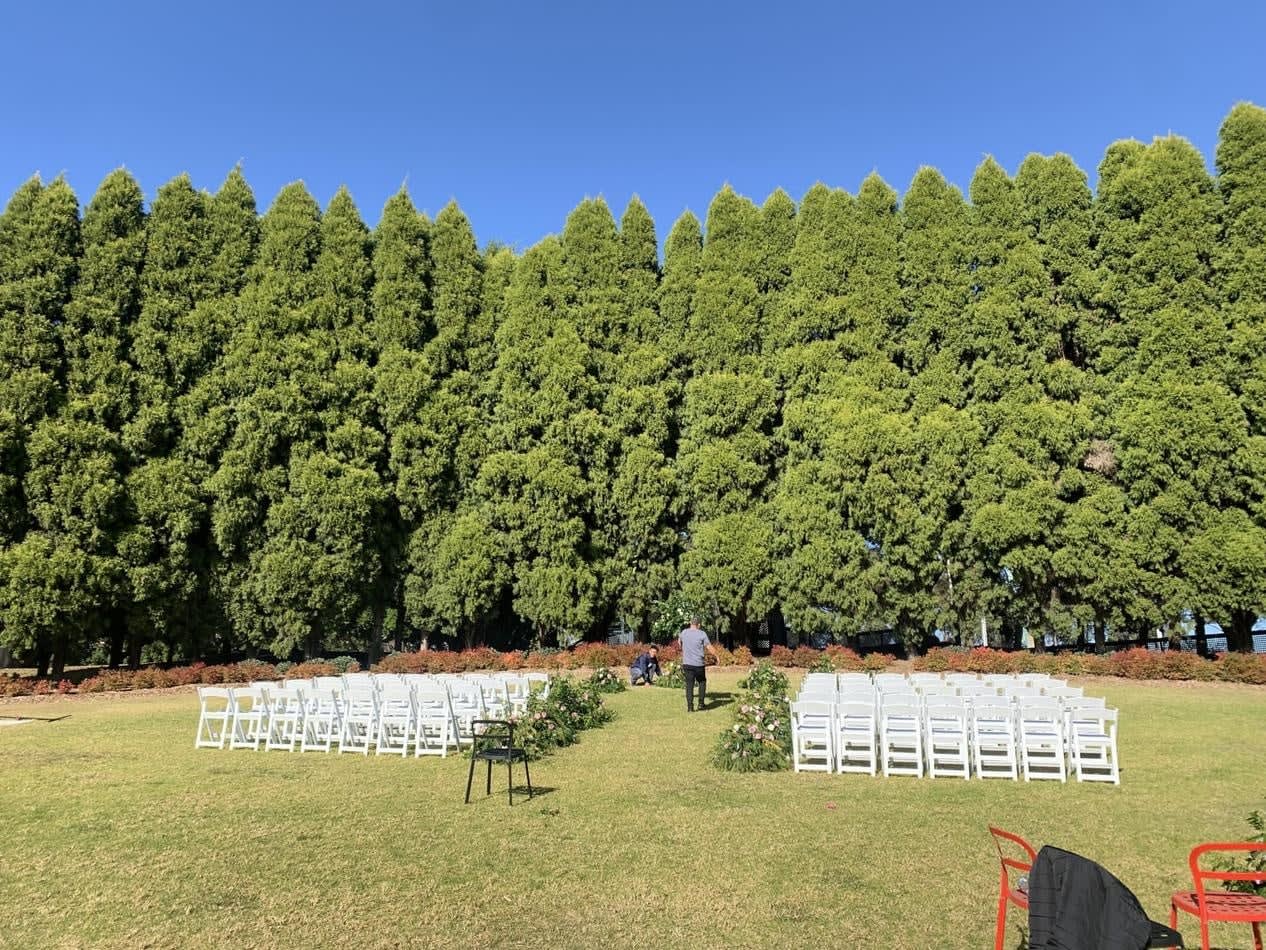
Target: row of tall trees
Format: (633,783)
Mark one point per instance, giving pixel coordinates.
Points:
(1037,405)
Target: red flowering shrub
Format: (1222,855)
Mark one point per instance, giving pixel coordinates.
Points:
(781,656)
(1241,667)
(804,657)
(670,653)
(876,662)
(300,671)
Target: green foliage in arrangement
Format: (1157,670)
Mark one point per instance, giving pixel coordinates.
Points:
(1252,861)
(607,680)
(1032,404)
(554,719)
(759,739)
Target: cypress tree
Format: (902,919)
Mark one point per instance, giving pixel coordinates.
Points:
(268,414)
(730,411)
(925,556)
(324,524)
(643,511)
(1016,502)
(1229,572)
(1176,427)
(533,490)
(47,584)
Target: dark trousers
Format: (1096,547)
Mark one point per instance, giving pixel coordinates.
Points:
(695,674)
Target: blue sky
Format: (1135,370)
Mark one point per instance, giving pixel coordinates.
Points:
(520,110)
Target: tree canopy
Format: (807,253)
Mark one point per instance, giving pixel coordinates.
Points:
(1034,404)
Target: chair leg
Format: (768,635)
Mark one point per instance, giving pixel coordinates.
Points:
(470,779)
(510,783)
(488,789)
(528,773)
(1000,932)
(1257,935)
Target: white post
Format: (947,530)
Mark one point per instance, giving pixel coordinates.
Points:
(984,632)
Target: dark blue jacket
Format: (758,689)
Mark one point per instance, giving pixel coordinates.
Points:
(645,665)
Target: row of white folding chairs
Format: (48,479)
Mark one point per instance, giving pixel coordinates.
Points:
(995,738)
(1069,700)
(821,689)
(429,716)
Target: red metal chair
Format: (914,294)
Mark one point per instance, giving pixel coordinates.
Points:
(1225,906)
(1007,892)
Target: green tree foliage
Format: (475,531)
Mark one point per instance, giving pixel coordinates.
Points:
(61,476)
(1041,406)
(727,451)
(533,487)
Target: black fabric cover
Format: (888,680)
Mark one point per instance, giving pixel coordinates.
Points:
(1074,904)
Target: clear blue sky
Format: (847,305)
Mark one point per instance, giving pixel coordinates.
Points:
(519,110)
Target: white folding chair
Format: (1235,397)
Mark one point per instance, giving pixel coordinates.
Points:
(215,716)
(1093,745)
(993,738)
(900,737)
(1041,724)
(396,718)
(855,737)
(517,689)
(1063,692)
(322,719)
(468,705)
(250,718)
(811,726)
(538,681)
(360,717)
(945,733)
(285,718)
(435,725)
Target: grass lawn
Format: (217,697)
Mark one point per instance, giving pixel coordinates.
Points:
(115,832)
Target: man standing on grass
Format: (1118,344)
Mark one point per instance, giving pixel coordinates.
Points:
(693,644)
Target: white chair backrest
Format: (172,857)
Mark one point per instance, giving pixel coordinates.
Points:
(812,713)
(214,696)
(852,714)
(248,698)
(328,682)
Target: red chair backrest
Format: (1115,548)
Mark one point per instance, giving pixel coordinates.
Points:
(999,837)
(1199,875)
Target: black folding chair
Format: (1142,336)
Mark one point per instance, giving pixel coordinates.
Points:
(495,743)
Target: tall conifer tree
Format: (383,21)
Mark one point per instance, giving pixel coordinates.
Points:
(60,476)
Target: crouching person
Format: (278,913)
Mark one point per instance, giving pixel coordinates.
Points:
(645,668)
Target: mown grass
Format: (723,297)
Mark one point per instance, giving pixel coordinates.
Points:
(115,832)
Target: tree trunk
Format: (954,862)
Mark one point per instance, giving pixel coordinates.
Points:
(43,652)
(1202,637)
(58,665)
(116,630)
(1101,636)
(1239,637)
(133,650)
(375,635)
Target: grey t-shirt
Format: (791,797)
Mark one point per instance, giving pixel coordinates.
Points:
(693,642)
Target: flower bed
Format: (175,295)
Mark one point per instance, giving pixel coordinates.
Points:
(1136,663)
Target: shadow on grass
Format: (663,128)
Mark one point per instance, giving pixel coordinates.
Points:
(717,700)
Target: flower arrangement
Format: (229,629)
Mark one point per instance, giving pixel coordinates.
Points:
(607,680)
(671,675)
(759,739)
(553,720)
